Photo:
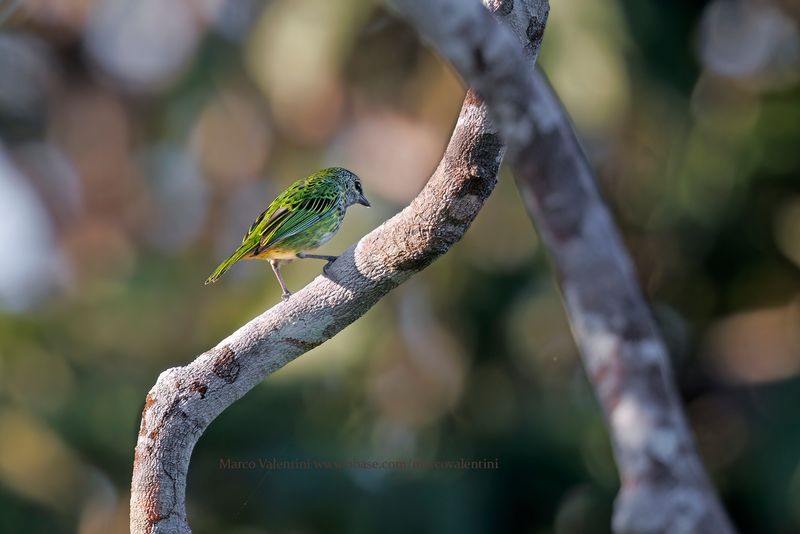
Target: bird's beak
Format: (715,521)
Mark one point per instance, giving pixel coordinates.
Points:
(363,200)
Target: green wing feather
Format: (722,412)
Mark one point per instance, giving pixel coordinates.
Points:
(298,208)
(301,217)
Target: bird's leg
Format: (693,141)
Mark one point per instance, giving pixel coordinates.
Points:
(304,256)
(276,268)
(330,259)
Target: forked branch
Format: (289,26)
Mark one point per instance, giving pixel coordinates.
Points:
(664,485)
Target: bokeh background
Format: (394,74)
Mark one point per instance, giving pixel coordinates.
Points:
(139,139)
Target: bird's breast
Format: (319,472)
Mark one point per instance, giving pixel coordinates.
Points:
(275,254)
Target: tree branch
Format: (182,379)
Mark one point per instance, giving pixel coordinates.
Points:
(664,485)
(185,400)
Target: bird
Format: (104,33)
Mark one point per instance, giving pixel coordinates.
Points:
(304,217)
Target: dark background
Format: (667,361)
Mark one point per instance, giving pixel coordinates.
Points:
(138,140)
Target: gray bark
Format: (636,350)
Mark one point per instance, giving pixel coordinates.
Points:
(664,485)
(185,400)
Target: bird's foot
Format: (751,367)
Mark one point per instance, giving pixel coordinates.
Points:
(285,296)
(327,267)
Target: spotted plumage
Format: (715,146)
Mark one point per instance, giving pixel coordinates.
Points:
(303,217)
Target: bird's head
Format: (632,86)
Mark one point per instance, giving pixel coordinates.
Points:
(352,186)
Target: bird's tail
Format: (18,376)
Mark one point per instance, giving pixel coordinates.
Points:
(225,265)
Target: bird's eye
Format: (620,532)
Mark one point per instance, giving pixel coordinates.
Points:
(358,187)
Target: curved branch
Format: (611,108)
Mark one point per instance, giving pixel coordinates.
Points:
(185,400)
(664,485)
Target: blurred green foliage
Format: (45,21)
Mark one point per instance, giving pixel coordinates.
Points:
(138,140)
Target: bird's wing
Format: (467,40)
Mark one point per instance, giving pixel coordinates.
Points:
(291,213)
(300,217)
(261,228)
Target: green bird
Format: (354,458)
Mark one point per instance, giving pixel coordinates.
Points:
(302,218)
